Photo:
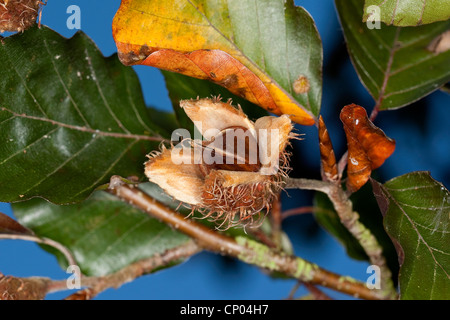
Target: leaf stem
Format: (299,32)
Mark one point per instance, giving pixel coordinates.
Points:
(308,184)
(302,210)
(247,250)
(350,219)
(37,287)
(342,164)
(66,252)
(387,74)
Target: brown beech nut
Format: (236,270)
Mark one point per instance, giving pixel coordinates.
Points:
(231,175)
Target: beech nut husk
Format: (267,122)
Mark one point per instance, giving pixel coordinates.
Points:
(234,173)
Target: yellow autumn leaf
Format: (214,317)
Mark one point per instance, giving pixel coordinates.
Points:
(257,50)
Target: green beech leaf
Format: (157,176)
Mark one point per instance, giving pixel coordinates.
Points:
(416,210)
(396,65)
(405,13)
(69,118)
(104,233)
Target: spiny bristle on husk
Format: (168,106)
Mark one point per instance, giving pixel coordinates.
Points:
(240,204)
(18,15)
(230,194)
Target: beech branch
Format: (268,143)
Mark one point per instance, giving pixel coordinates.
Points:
(95,285)
(243,248)
(36,288)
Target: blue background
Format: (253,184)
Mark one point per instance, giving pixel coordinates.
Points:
(421,131)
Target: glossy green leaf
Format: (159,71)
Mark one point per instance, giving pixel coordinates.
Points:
(395,64)
(165,120)
(104,233)
(69,118)
(416,210)
(405,13)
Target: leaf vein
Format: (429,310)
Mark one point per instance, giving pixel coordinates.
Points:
(94,229)
(121,238)
(108,107)
(64,85)
(85,129)
(133,105)
(423,84)
(29,145)
(418,62)
(419,235)
(73,156)
(381,94)
(26,86)
(368,75)
(108,169)
(6,120)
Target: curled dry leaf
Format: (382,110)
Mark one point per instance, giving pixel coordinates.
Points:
(235,172)
(196,39)
(83,294)
(327,157)
(368,146)
(18,15)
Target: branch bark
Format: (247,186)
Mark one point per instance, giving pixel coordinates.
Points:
(36,288)
(95,285)
(243,248)
(350,219)
(13,288)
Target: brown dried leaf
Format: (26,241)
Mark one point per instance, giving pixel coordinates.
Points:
(368,146)
(84,294)
(328,159)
